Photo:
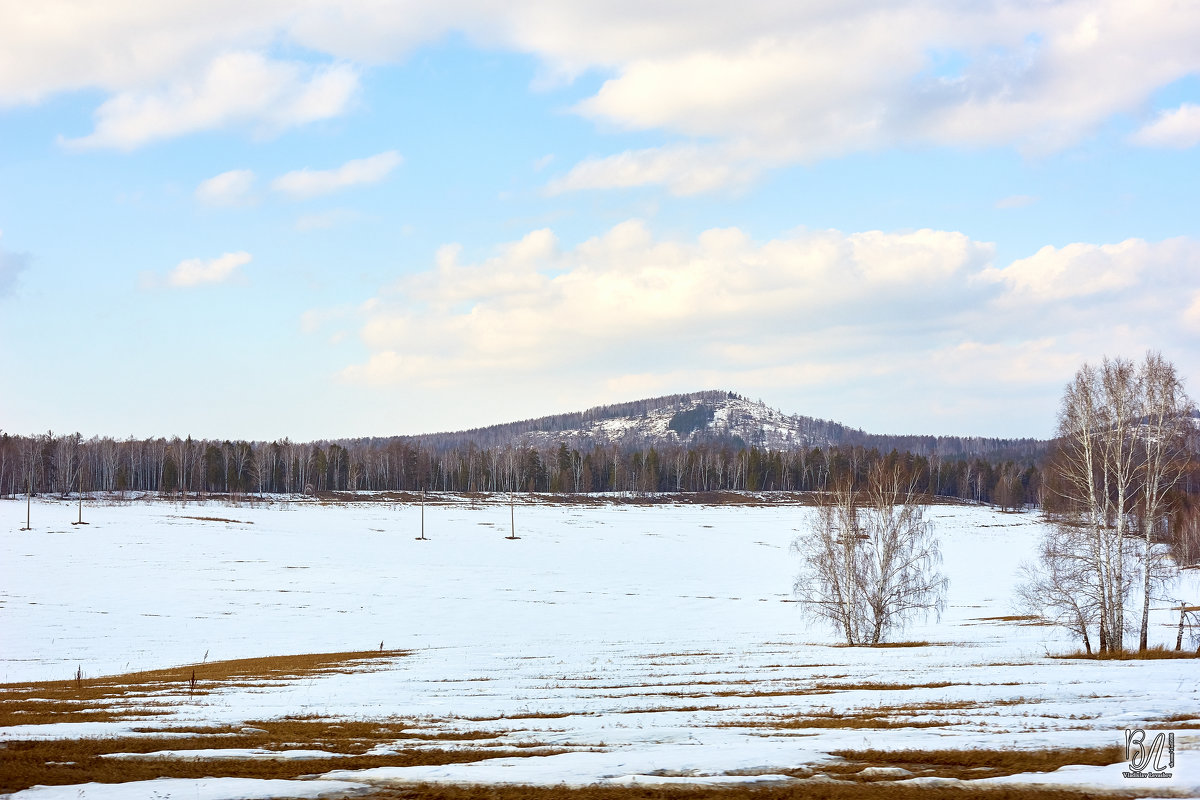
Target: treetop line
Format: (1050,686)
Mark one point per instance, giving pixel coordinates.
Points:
(554,454)
(50,464)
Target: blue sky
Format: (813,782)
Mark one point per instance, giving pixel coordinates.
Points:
(250,220)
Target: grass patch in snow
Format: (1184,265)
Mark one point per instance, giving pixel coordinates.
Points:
(792,691)
(800,790)
(934,714)
(1018,619)
(350,744)
(137,695)
(973,764)
(837,719)
(879,687)
(1151,654)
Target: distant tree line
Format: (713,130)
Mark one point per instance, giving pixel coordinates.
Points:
(61,464)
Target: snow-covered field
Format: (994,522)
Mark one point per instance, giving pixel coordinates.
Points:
(653,643)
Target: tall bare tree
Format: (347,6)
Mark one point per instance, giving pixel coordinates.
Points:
(870,558)
(1165,428)
(902,580)
(1120,451)
(1061,586)
(830,552)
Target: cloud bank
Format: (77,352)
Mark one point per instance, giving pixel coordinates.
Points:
(748,86)
(628,312)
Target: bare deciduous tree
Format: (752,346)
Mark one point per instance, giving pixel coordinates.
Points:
(1121,449)
(869,559)
(1165,414)
(1061,586)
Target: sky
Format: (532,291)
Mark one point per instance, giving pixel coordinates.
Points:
(264,219)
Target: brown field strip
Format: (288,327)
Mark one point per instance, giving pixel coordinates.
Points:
(348,742)
(1151,654)
(975,764)
(832,790)
(879,717)
(136,695)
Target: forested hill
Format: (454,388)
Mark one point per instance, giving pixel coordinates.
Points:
(721,418)
(704,441)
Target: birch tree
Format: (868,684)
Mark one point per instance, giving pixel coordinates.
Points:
(1120,451)
(1165,415)
(831,551)
(869,561)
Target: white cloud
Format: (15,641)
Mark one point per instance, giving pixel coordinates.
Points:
(1191,315)
(1178,128)
(197,271)
(304,183)
(813,314)
(535,307)
(785,82)
(121,45)
(1082,270)
(800,83)
(236,90)
(232,188)
(684,171)
(1011,361)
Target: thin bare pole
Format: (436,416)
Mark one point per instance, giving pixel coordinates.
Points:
(80,487)
(512,518)
(422,536)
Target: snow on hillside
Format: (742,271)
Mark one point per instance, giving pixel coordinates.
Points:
(654,644)
(730,416)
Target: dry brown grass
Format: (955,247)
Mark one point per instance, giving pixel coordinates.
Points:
(1151,654)
(795,791)
(879,717)
(216,519)
(837,719)
(532,715)
(975,764)
(798,689)
(137,695)
(71,761)
(668,709)
(880,687)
